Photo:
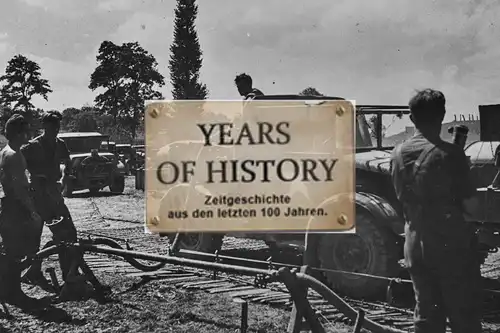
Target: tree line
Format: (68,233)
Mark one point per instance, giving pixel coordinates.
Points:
(125,76)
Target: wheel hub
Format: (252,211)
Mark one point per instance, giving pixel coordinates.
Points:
(351,254)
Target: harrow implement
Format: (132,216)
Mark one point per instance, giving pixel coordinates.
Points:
(309,297)
(296,282)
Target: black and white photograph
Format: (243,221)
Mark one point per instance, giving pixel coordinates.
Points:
(79,176)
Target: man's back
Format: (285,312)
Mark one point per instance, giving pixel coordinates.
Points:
(43,157)
(441,183)
(12,168)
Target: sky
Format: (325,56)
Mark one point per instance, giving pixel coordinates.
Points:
(373,52)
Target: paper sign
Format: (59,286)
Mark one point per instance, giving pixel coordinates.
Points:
(229,166)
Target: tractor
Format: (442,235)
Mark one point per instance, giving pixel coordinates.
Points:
(377,246)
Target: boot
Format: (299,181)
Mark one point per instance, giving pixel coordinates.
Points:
(13,293)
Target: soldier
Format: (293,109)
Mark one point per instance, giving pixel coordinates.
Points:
(20,225)
(44,155)
(433,182)
(244,84)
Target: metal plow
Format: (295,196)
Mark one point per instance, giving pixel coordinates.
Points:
(300,285)
(313,305)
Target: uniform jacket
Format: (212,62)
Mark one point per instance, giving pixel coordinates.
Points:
(431,177)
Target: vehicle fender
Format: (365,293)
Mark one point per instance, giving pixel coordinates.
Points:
(381,210)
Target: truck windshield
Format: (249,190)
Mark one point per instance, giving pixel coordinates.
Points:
(83,144)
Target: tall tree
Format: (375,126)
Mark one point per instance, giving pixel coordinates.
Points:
(186,55)
(22,80)
(129,76)
(310,91)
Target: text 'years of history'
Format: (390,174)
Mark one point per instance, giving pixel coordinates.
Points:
(227,166)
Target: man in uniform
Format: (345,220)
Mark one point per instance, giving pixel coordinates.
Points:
(432,180)
(44,155)
(20,224)
(245,86)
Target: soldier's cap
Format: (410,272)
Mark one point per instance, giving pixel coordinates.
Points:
(53,117)
(17,123)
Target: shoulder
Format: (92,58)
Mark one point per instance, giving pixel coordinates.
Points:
(449,150)
(10,156)
(406,147)
(398,154)
(396,151)
(7,152)
(447,155)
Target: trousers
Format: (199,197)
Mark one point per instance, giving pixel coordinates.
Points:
(447,285)
(50,204)
(21,236)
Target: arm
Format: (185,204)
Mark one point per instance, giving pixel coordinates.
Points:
(65,158)
(15,179)
(463,183)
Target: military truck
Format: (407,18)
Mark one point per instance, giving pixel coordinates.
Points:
(91,169)
(377,246)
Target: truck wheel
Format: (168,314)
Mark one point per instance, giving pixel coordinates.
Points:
(118,185)
(200,242)
(371,250)
(175,200)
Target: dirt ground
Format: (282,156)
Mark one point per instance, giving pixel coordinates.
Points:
(153,307)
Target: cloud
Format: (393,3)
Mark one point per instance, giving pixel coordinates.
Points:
(64,73)
(4,49)
(66,30)
(373,52)
(111,5)
(65,97)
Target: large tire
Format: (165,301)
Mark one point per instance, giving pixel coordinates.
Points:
(373,250)
(200,242)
